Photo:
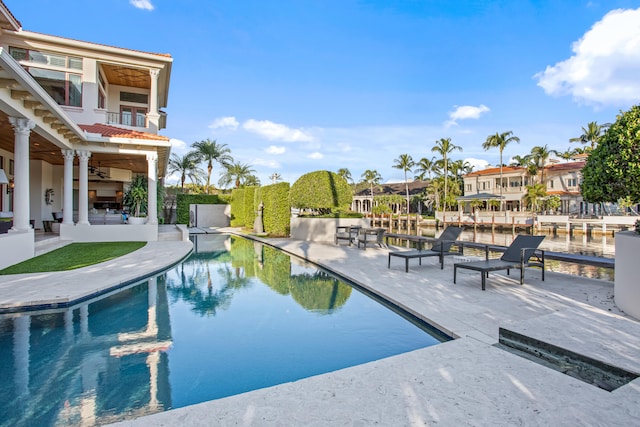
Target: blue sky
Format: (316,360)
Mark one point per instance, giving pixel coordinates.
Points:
(293,86)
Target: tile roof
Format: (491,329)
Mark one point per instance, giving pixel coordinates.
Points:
(491,171)
(116,132)
(565,166)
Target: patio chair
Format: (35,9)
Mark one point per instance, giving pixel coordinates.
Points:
(441,247)
(518,255)
(371,235)
(347,232)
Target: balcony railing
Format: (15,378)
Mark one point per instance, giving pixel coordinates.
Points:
(116,118)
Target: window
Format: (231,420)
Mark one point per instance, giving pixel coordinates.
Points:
(468,188)
(44,58)
(102,90)
(486,185)
(133,116)
(139,98)
(64,88)
(550,184)
(572,182)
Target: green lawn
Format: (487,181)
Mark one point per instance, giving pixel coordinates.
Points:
(75,255)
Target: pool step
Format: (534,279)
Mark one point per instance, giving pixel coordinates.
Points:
(606,359)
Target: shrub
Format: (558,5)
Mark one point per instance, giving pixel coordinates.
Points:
(276,215)
(242,210)
(612,171)
(321,191)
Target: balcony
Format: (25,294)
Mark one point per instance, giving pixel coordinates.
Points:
(127,119)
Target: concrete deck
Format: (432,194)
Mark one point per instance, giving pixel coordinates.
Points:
(467,381)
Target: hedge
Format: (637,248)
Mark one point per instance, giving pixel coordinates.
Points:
(276,215)
(243,212)
(184,200)
(322,191)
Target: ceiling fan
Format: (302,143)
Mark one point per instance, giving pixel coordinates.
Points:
(98,172)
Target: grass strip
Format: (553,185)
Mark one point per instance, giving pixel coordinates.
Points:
(73,256)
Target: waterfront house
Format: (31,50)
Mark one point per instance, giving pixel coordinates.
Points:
(78,121)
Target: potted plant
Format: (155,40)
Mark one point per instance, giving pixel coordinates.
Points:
(135,198)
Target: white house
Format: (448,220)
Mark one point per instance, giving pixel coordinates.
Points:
(78,121)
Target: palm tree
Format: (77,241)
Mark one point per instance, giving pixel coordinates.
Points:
(346,174)
(522,161)
(252,181)
(185,166)
(591,134)
(210,151)
(444,147)
(535,192)
(235,172)
(499,141)
(539,156)
(405,163)
(425,167)
(371,177)
(275,177)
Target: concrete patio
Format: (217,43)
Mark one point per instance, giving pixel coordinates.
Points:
(466,381)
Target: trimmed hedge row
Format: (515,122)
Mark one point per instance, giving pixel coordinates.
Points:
(184,200)
(323,191)
(243,212)
(276,215)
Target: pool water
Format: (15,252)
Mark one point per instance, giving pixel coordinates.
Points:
(235,316)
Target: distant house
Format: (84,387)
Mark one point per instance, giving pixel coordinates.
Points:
(78,121)
(362,200)
(561,179)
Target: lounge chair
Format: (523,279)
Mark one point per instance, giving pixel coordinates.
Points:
(441,247)
(518,255)
(347,232)
(371,235)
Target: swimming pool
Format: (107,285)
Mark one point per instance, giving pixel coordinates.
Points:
(235,316)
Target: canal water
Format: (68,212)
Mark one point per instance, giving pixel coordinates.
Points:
(601,246)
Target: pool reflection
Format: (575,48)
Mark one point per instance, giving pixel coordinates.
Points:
(235,316)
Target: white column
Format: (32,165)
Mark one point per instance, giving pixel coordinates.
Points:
(153,116)
(21,335)
(152,188)
(83,188)
(67,206)
(21,215)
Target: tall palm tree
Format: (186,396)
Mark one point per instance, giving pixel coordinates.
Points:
(500,141)
(522,161)
(425,167)
(591,134)
(444,147)
(371,177)
(210,151)
(405,163)
(185,166)
(540,154)
(346,174)
(235,172)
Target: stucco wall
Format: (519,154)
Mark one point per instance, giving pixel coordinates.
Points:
(16,247)
(109,233)
(321,229)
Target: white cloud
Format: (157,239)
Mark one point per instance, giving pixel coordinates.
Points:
(272,164)
(224,122)
(605,65)
(478,164)
(466,112)
(142,4)
(315,155)
(275,150)
(178,144)
(276,132)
